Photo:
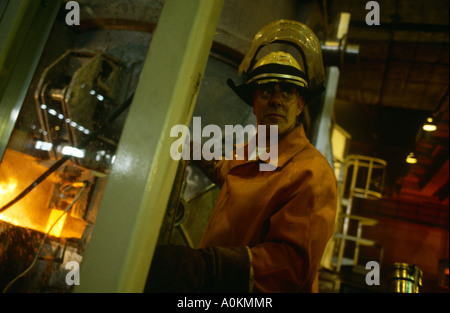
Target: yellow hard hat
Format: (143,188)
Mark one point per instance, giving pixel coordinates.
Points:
(281,66)
(275,67)
(278,66)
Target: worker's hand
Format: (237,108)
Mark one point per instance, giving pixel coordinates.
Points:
(183,269)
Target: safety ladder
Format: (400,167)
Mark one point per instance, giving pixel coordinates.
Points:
(363,177)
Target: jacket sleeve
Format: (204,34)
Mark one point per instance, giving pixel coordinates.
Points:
(289,257)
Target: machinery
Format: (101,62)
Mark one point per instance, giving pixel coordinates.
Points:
(62,140)
(67,92)
(56,164)
(46,198)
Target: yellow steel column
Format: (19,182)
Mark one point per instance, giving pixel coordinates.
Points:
(118,257)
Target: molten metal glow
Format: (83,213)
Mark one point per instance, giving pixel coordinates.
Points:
(8,187)
(57,228)
(16,216)
(17,170)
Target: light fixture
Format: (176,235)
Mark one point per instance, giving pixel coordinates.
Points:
(411,159)
(78,153)
(429,125)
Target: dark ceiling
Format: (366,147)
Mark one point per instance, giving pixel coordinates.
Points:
(401,78)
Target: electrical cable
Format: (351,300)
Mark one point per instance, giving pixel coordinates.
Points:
(61,161)
(45,237)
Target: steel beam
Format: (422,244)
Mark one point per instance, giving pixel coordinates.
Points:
(126,231)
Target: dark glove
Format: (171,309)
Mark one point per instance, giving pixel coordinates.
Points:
(214,269)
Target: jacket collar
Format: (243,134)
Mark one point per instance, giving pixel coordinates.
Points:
(289,146)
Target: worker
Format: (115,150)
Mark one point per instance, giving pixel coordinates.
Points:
(268,229)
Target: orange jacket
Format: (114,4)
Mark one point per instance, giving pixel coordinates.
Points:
(285,217)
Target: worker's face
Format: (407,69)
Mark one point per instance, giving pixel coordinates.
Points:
(277,104)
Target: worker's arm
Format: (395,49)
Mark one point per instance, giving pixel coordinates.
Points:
(210,168)
(213,269)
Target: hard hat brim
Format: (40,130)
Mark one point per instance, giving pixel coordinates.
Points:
(278,72)
(245,91)
(269,73)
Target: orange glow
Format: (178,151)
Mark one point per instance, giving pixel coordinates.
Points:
(53,218)
(16,216)
(8,187)
(78,184)
(17,171)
